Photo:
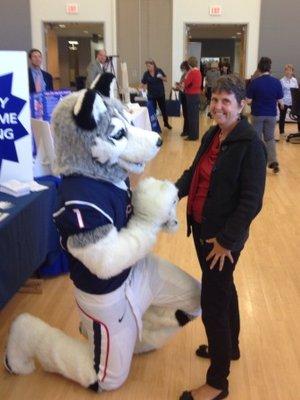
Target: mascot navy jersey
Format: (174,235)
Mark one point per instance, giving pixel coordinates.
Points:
(85,204)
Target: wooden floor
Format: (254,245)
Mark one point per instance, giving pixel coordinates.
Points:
(268,282)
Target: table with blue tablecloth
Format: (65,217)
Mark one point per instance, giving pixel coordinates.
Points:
(29,241)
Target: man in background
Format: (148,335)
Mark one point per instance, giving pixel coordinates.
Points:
(100,65)
(211,77)
(39,80)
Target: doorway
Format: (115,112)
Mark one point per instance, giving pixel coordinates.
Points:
(224,44)
(70,47)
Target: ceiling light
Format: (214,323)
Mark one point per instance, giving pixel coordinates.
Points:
(73,42)
(239,33)
(85,31)
(62,25)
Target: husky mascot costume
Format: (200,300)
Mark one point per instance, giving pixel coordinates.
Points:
(129,301)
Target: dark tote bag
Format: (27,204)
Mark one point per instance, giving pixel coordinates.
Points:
(173,106)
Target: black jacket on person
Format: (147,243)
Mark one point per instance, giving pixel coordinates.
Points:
(236,186)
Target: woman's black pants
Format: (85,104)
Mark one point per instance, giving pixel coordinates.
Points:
(161,101)
(193,105)
(182,99)
(208,94)
(282,118)
(220,312)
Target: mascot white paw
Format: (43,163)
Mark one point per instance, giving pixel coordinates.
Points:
(155,201)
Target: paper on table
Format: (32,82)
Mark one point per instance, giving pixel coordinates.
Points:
(5,204)
(3,216)
(14,188)
(36,187)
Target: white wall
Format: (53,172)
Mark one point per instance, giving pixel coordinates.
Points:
(233,12)
(89,11)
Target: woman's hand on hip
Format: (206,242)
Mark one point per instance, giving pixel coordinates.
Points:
(218,254)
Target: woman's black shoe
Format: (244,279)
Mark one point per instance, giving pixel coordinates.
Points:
(188,395)
(274,166)
(203,352)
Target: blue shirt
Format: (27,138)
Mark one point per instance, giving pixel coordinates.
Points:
(38,76)
(155,86)
(287,84)
(264,91)
(85,204)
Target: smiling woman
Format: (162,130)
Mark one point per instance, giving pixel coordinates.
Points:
(225,187)
(226,105)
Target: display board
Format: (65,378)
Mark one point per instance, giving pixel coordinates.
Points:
(42,104)
(15,131)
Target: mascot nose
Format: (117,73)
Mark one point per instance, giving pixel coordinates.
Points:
(159,142)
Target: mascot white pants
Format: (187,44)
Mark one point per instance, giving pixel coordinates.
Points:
(137,317)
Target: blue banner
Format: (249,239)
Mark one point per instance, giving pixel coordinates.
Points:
(42,104)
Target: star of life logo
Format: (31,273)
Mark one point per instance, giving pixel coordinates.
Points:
(11,129)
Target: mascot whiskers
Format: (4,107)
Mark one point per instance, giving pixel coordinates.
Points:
(129,301)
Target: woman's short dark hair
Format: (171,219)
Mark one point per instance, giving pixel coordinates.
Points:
(33,51)
(264,64)
(185,65)
(231,84)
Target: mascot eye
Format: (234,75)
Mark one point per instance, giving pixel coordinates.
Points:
(119,135)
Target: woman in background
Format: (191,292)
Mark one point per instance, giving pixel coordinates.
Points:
(288,81)
(192,89)
(184,67)
(154,79)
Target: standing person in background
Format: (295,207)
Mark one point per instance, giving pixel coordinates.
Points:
(184,67)
(225,186)
(202,70)
(225,69)
(97,67)
(192,85)
(153,79)
(212,75)
(39,80)
(263,93)
(288,81)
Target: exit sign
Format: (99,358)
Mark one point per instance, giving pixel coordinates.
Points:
(72,8)
(215,11)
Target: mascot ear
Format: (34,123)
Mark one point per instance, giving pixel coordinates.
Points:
(88,108)
(104,84)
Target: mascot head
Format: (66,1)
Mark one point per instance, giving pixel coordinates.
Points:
(93,135)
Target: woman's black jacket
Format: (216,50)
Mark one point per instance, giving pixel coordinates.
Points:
(236,186)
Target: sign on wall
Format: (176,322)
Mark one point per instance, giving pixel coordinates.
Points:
(215,10)
(15,131)
(72,8)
